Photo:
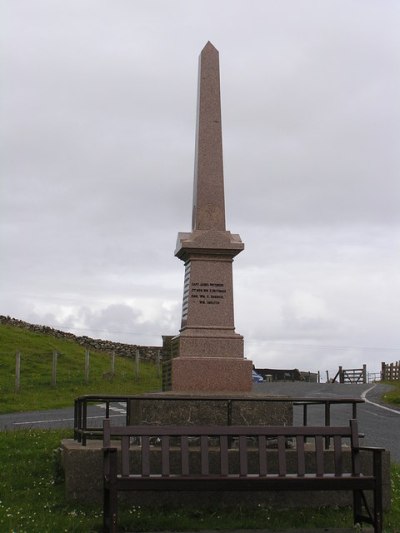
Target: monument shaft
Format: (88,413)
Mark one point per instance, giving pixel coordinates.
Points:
(210,355)
(208,190)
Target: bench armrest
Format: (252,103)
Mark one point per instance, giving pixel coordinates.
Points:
(370,448)
(376,460)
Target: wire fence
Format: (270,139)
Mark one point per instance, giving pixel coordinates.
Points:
(57,368)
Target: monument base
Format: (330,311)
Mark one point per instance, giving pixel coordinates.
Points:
(211,374)
(204,409)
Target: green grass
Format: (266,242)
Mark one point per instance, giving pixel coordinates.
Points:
(393,396)
(32,500)
(36,391)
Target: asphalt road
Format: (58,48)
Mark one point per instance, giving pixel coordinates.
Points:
(379,423)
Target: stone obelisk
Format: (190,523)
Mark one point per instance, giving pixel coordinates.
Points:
(210,354)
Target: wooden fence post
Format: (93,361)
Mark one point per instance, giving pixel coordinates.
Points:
(158,364)
(137,364)
(17,371)
(87,365)
(54,369)
(383,371)
(113,364)
(365,374)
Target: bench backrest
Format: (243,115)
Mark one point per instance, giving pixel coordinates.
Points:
(200,448)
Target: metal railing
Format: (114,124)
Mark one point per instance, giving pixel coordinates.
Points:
(83,431)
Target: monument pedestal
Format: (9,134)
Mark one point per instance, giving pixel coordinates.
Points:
(211,374)
(210,360)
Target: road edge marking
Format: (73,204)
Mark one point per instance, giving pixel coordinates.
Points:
(364,397)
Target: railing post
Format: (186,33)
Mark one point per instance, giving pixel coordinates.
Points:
(75,420)
(84,421)
(305,414)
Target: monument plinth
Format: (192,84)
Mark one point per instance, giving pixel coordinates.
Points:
(210,352)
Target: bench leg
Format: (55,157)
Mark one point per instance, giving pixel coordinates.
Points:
(110,510)
(378,493)
(375,517)
(378,509)
(357,506)
(110,494)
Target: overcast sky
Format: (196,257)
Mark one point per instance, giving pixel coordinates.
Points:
(97,120)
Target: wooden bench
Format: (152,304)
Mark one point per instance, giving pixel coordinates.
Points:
(197,445)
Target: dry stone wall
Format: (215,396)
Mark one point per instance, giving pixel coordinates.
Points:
(149,353)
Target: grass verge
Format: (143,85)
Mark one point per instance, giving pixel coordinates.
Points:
(32,500)
(393,396)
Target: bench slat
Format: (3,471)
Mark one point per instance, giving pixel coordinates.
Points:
(337,446)
(165,470)
(262,455)
(185,455)
(205,467)
(125,455)
(243,455)
(301,463)
(224,460)
(282,455)
(319,455)
(145,456)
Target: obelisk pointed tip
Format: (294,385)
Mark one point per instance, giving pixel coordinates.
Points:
(209,47)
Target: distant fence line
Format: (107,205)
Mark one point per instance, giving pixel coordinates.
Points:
(390,371)
(86,367)
(351,375)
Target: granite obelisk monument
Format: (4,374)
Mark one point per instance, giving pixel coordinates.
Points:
(210,354)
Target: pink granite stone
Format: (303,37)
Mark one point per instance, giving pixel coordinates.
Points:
(208,191)
(210,352)
(206,374)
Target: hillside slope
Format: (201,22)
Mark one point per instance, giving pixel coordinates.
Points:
(36,359)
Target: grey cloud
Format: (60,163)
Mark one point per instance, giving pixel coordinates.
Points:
(97,140)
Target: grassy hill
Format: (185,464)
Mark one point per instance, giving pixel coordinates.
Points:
(36,390)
